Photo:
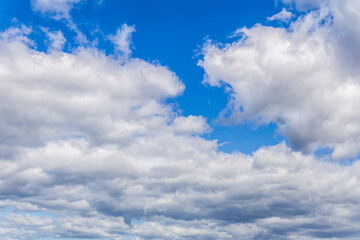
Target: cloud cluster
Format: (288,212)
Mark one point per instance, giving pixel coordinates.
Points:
(90,148)
(83,95)
(176,187)
(303,78)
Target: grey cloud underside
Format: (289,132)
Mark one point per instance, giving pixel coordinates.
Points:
(198,193)
(90,149)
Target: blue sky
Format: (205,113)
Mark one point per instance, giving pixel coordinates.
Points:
(179,119)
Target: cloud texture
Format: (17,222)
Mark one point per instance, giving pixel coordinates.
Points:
(91,149)
(303,78)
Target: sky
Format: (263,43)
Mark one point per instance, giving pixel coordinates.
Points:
(179,119)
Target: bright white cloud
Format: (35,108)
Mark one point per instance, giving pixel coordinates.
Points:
(85,94)
(298,78)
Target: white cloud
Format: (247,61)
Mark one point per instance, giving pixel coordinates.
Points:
(122,39)
(85,94)
(178,187)
(56,40)
(60,10)
(19,34)
(94,151)
(56,8)
(190,125)
(283,16)
(298,78)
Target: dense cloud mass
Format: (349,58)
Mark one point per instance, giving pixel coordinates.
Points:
(177,187)
(304,78)
(91,149)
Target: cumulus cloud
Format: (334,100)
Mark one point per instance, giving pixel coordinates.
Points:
(84,95)
(298,78)
(177,187)
(91,149)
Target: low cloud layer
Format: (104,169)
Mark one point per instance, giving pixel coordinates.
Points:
(176,187)
(303,78)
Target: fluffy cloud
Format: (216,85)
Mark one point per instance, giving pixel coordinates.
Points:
(176,187)
(304,78)
(83,95)
(91,149)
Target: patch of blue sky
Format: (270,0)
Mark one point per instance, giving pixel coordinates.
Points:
(246,138)
(5,211)
(138,221)
(325,155)
(129,237)
(8,210)
(62,238)
(38,214)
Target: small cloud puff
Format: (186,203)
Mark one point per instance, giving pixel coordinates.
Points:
(57,9)
(284,16)
(56,40)
(190,125)
(122,40)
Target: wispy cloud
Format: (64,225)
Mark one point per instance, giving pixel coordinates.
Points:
(284,16)
(122,40)
(57,9)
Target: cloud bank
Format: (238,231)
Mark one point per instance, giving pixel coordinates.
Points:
(91,149)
